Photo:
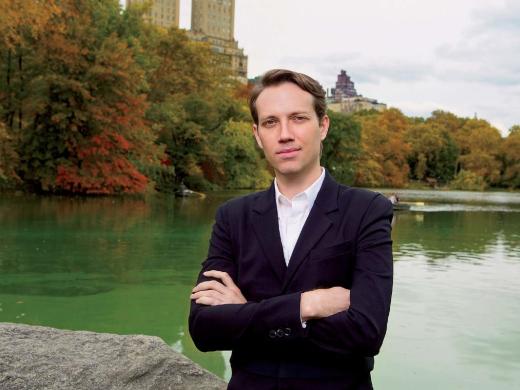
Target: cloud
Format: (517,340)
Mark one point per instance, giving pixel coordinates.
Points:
(504,18)
(489,51)
(361,68)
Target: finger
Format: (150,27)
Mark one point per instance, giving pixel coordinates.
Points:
(214,295)
(208,297)
(206,301)
(210,285)
(224,276)
(207,293)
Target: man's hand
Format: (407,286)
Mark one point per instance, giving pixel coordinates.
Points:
(324,302)
(213,293)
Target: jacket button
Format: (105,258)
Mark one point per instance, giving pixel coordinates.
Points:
(287,331)
(280,333)
(272,334)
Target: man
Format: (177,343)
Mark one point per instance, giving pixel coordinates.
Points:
(298,278)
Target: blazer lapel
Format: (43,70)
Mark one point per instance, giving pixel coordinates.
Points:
(316,225)
(265,225)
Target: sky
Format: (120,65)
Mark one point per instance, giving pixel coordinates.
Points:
(462,56)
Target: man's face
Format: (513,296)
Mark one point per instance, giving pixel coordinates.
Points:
(288,129)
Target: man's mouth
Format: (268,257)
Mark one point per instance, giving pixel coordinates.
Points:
(287,151)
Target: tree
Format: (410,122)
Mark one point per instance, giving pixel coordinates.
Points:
(341,147)
(447,121)
(243,164)
(382,161)
(21,24)
(8,159)
(86,132)
(479,144)
(433,152)
(192,99)
(511,158)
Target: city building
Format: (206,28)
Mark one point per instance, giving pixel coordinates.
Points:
(354,104)
(344,98)
(164,13)
(213,21)
(344,87)
(215,18)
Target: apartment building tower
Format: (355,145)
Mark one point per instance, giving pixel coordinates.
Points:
(164,13)
(213,21)
(215,18)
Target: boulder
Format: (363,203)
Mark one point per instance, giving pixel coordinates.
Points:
(36,357)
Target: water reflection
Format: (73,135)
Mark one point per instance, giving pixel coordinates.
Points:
(461,320)
(465,197)
(444,234)
(128,265)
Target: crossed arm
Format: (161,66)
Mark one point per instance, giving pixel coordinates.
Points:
(314,304)
(221,318)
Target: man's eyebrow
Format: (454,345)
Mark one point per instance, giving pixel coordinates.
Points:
(263,118)
(291,114)
(299,113)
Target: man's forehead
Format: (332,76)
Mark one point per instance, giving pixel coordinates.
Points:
(284,98)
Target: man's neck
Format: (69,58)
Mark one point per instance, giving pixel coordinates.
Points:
(291,185)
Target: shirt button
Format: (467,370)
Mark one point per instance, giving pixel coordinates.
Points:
(272,333)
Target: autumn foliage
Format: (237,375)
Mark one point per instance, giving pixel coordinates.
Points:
(94,100)
(102,168)
(442,150)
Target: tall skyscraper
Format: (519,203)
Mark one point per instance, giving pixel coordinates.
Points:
(164,13)
(213,21)
(215,18)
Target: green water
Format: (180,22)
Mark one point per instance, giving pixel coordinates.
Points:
(127,265)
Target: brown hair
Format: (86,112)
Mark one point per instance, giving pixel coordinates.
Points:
(279,76)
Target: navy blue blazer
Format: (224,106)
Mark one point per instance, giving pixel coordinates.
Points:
(345,242)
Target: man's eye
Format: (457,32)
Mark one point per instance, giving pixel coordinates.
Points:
(269,123)
(299,118)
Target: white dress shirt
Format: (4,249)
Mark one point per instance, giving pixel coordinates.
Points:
(292,213)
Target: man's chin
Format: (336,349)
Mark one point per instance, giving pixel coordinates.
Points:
(288,169)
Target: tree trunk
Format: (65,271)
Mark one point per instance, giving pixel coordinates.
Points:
(20,100)
(9,114)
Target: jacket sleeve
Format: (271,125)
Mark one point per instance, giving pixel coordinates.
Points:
(360,329)
(223,327)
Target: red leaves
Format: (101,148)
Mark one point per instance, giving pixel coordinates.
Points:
(102,167)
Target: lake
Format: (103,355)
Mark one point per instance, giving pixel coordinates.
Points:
(127,265)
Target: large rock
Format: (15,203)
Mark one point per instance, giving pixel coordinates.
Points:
(36,357)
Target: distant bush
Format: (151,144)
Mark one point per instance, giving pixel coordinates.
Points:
(469,181)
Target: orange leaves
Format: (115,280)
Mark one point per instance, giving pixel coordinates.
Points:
(104,144)
(22,19)
(479,145)
(92,178)
(383,160)
(103,167)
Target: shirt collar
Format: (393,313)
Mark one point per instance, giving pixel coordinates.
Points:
(310,192)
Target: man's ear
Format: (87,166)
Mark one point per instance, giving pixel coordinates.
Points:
(324,127)
(257,137)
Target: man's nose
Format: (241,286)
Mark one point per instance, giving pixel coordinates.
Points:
(285,131)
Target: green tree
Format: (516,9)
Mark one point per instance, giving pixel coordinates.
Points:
(341,147)
(192,98)
(8,159)
(433,153)
(242,161)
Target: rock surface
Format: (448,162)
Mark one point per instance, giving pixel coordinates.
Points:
(36,357)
